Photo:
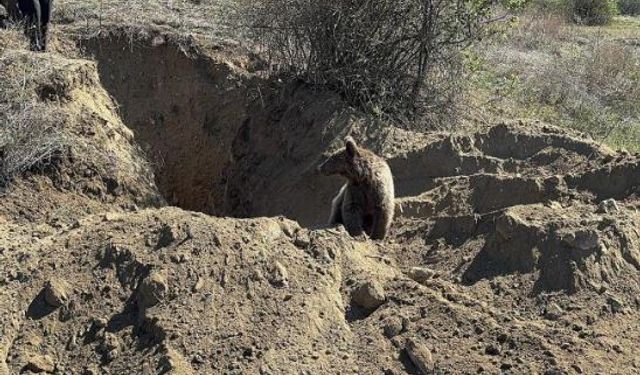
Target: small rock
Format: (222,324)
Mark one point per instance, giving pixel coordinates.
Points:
(302,240)
(369,295)
(555,205)
(555,371)
(553,312)
(502,337)
(607,206)
(617,348)
(56,292)
(392,326)
(493,349)
(110,342)
(110,216)
(505,366)
(421,274)
(99,323)
(421,357)
(112,355)
(289,228)
(577,327)
(577,369)
(152,290)
(41,363)
(280,275)
(158,40)
(197,287)
(166,236)
(617,306)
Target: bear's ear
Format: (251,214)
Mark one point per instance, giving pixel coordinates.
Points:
(352,148)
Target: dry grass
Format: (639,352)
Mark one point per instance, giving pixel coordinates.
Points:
(580,77)
(31,132)
(537,28)
(203,17)
(12,38)
(36,132)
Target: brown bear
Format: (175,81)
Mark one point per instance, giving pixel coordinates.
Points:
(365,204)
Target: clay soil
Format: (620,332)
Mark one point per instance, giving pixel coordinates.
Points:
(200,246)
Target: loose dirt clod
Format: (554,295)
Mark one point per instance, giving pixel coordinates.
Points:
(152,290)
(421,274)
(369,295)
(607,206)
(41,363)
(56,292)
(280,276)
(420,356)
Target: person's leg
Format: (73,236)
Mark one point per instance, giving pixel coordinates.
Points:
(46,7)
(31,14)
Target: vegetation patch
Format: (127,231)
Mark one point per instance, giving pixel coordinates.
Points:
(398,58)
(574,76)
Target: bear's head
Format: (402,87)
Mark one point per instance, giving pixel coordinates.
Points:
(349,162)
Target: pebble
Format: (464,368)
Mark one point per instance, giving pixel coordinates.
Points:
(421,274)
(100,323)
(280,275)
(369,295)
(607,206)
(56,292)
(505,366)
(41,363)
(392,326)
(553,312)
(197,287)
(302,240)
(421,356)
(617,306)
(166,236)
(493,349)
(152,290)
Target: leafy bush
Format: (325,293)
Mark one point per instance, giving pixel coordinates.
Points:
(629,7)
(394,57)
(593,12)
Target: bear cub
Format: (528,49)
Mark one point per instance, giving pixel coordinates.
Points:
(365,203)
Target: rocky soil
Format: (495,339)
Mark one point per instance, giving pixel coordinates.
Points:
(515,248)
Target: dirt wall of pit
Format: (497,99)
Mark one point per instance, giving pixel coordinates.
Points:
(222,141)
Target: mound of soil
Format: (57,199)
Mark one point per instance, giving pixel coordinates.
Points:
(514,250)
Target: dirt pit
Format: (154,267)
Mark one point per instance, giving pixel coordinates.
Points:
(221,140)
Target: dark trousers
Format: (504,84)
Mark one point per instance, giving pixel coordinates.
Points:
(36,14)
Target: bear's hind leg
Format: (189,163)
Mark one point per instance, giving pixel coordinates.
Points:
(353,211)
(336,207)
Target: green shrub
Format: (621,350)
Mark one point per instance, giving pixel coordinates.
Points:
(593,12)
(391,57)
(629,7)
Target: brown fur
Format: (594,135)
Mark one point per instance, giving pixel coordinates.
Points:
(365,204)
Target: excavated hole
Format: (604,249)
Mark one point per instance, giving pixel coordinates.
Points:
(221,141)
(184,111)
